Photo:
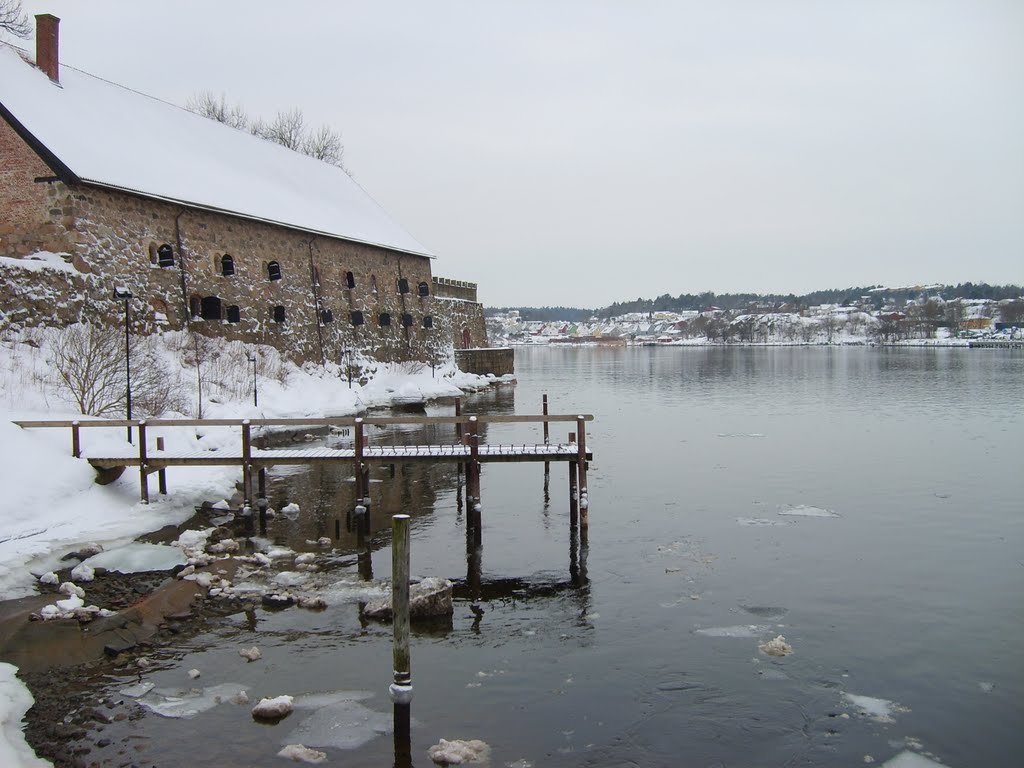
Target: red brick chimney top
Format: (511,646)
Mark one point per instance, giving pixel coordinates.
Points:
(48,45)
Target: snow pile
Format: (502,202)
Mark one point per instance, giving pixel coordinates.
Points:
(273,709)
(15,701)
(300,754)
(136,558)
(457,752)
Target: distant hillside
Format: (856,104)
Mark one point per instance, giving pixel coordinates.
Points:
(544,314)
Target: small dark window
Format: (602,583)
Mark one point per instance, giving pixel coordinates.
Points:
(350,280)
(227,265)
(279,314)
(273,271)
(326,316)
(234,314)
(403,285)
(165,256)
(210,308)
(195,306)
(407,320)
(357,317)
(385,319)
(428,322)
(424,289)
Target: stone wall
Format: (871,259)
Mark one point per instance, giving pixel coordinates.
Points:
(501,361)
(462,323)
(454,289)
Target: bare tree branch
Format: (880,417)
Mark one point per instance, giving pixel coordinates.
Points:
(13,20)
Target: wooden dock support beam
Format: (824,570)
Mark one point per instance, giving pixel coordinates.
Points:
(161,474)
(76,440)
(246,463)
(357,460)
(143,476)
(581,437)
(401,689)
(473,473)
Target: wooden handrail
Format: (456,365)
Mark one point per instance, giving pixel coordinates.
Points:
(341,421)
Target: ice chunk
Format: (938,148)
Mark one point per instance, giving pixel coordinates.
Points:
(802,510)
(83,572)
(222,504)
(250,653)
(71,603)
(339,721)
(70,588)
(137,690)
(908,759)
(457,752)
(777,646)
(193,539)
(137,558)
(879,710)
(301,754)
(290,509)
(273,709)
(757,521)
(185,704)
(290,579)
(739,630)
(194,673)
(49,578)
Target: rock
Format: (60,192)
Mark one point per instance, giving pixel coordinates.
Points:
(273,709)
(428,599)
(83,572)
(250,653)
(219,534)
(194,673)
(457,752)
(49,578)
(278,600)
(312,603)
(301,754)
(84,553)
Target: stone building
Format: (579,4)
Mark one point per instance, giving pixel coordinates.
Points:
(207,226)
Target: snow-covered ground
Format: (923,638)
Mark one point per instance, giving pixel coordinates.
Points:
(52,504)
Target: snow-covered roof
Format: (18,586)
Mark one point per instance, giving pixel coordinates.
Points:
(111,136)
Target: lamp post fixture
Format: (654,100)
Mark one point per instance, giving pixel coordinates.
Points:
(123,294)
(255,394)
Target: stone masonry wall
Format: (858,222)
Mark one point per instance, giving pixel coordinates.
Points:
(462,323)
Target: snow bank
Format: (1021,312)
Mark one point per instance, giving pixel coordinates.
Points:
(15,701)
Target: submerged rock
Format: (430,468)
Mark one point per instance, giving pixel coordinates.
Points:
(428,599)
(457,752)
(777,646)
(273,709)
(300,754)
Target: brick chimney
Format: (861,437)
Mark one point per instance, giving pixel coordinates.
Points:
(48,45)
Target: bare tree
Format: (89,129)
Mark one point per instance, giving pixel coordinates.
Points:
(12,20)
(288,128)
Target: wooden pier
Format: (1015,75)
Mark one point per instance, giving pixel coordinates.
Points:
(467,451)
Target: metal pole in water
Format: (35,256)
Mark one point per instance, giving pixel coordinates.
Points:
(401,689)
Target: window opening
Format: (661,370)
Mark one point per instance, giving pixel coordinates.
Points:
(385,319)
(227,265)
(424,289)
(403,285)
(350,280)
(210,308)
(279,316)
(234,314)
(165,256)
(326,316)
(357,317)
(428,322)
(406,320)
(273,270)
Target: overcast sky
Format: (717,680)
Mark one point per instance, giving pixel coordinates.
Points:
(579,153)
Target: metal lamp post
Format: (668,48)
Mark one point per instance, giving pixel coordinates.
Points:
(123,294)
(255,394)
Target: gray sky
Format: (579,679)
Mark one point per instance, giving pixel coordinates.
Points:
(584,152)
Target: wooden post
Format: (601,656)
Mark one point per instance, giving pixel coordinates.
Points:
(573,495)
(545,412)
(261,500)
(474,455)
(162,474)
(143,477)
(401,689)
(458,412)
(582,445)
(246,463)
(357,460)
(547,440)
(76,440)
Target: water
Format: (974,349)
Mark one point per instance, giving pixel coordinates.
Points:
(864,503)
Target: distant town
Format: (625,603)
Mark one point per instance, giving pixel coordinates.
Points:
(933,314)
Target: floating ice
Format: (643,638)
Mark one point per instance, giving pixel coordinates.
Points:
(306,557)
(987,687)
(777,646)
(185,704)
(879,710)
(741,434)
(339,721)
(290,579)
(137,690)
(300,754)
(739,630)
(908,759)
(757,521)
(273,709)
(457,752)
(194,673)
(766,611)
(279,552)
(137,557)
(803,510)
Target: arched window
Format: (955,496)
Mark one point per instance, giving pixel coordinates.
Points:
(195,306)
(165,256)
(210,308)
(407,320)
(234,314)
(227,265)
(424,289)
(428,322)
(350,280)
(373,283)
(357,317)
(384,319)
(279,316)
(326,316)
(403,285)
(273,270)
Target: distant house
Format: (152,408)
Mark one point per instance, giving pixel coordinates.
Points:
(207,226)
